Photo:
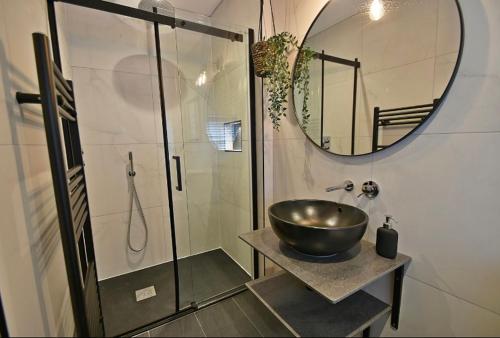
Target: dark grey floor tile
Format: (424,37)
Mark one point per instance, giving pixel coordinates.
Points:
(187,326)
(201,277)
(225,319)
(263,319)
(211,274)
(121,311)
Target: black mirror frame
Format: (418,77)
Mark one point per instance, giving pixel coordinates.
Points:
(436,108)
(4,332)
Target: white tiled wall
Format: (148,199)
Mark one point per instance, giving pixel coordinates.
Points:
(116,88)
(116,83)
(33,281)
(440,184)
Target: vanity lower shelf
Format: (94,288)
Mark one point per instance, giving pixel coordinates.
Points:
(337,279)
(307,314)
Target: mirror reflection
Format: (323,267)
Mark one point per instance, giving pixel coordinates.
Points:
(381,68)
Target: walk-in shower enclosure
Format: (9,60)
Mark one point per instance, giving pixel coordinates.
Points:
(200,107)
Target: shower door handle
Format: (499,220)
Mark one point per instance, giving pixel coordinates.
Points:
(179,172)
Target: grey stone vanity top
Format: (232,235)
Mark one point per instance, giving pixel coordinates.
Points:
(334,278)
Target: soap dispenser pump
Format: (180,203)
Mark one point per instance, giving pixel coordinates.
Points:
(387,239)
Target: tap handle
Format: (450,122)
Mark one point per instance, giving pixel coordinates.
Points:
(370,189)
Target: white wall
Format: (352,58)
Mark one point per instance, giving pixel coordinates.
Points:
(33,280)
(441,184)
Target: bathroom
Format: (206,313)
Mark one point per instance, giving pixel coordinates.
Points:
(193,168)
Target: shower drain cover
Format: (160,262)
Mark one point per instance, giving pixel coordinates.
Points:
(145,293)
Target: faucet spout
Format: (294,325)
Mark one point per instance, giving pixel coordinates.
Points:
(347,186)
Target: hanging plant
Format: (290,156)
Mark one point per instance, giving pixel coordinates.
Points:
(278,82)
(260,52)
(270,58)
(303,80)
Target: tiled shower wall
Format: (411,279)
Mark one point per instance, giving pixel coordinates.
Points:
(230,102)
(441,184)
(33,280)
(116,84)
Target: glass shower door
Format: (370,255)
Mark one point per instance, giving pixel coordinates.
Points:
(214,103)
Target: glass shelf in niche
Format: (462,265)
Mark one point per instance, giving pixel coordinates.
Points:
(232,136)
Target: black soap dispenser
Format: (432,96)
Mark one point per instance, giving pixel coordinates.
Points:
(387,239)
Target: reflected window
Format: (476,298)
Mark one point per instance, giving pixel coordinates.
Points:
(232,136)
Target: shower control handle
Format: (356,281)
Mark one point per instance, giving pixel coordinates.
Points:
(179,172)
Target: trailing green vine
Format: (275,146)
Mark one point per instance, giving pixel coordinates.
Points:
(271,58)
(278,82)
(303,80)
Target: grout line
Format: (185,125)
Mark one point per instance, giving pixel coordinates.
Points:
(127,144)
(454,296)
(22,145)
(459,133)
(283,140)
(216,8)
(121,144)
(199,324)
(126,211)
(246,316)
(123,71)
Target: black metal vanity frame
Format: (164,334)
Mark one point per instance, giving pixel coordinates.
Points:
(436,107)
(399,274)
(57,99)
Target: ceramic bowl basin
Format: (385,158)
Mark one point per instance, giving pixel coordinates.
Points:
(316,227)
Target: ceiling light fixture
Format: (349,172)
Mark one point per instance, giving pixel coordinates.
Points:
(377,10)
(202,79)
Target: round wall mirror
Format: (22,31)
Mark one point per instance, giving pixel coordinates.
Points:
(380,69)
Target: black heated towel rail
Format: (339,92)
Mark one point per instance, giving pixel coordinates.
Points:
(70,190)
(411,116)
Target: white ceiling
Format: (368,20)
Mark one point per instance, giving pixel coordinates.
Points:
(205,7)
(335,12)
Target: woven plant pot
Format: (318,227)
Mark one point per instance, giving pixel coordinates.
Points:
(261,51)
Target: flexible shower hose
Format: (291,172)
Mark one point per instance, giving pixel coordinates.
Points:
(135,196)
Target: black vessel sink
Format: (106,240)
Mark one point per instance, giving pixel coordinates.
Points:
(318,228)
